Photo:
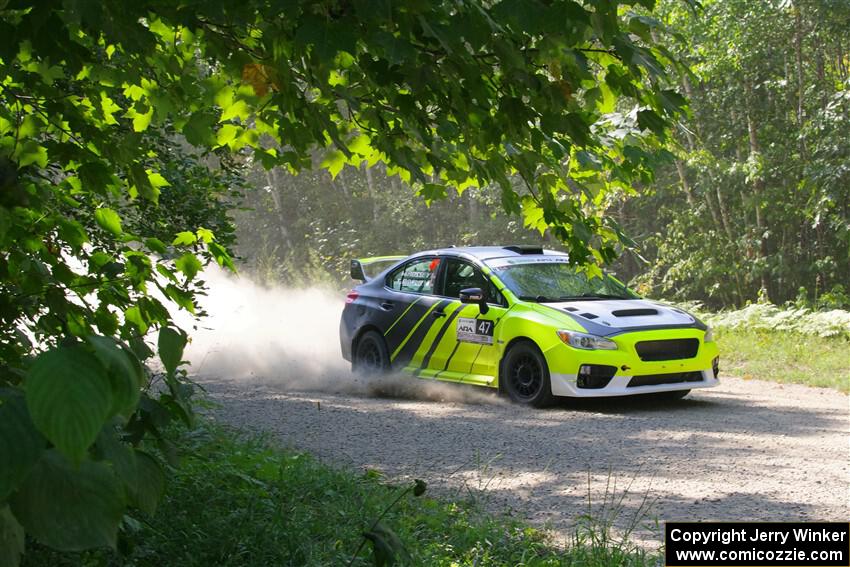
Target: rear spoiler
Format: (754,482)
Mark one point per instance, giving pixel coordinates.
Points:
(365,269)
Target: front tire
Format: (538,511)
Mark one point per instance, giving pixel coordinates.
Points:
(525,376)
(371,355)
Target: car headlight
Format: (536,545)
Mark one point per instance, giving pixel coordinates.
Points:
(585,341)
(709,335)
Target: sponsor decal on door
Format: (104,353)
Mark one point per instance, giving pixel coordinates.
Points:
(477,331)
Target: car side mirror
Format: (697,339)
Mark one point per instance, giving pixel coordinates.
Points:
(357,272)
(475,295)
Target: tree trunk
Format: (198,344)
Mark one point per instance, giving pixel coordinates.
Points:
(758,194)
(798,53)
(373,198)
(273,179)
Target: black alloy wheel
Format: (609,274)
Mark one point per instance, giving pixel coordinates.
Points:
(370,354)
(525,375)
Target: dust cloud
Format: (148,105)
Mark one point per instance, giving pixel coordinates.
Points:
(287,339)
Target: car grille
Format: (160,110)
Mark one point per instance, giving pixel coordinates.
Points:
(673,378)
(670,349)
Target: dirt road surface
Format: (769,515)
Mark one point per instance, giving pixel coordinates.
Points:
(746,450)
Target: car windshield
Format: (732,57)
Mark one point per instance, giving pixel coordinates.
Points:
(547,281)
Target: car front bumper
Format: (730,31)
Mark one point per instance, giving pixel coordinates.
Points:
(566,385)
(629,373)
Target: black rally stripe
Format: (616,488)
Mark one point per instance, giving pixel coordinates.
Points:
(415,341)
(439,338)
(448,360)
(474,360)
(403,327)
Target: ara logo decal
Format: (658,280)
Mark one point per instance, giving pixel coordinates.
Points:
(477,331)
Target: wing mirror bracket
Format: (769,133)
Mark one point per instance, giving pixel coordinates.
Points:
(475,295)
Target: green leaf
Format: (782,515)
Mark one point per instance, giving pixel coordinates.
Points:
(68,396)
(189,264)
(30,152)
(185,238)
(106,320)
(157,180)
(387,547)
(20,443)
(334,162)
(649,119)
(142,121)
(221,256)
(238,109)
(226,134)
(149,486)
(95,176)
(70,508)
(205,234)
(199,129)
(142,185)
(133,315)
(108,220)
(124,371)
(171,343)
(11,538)
(155,245)
(140,473)
(72,232)
(181,297)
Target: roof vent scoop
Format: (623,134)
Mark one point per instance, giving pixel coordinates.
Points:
(525,249)
(634,312)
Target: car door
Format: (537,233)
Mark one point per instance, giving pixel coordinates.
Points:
(467,351)
(411,309)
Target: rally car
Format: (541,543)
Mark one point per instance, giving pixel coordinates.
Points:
(521,319)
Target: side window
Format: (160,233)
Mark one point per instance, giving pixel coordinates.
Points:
(461,275)
(415,277)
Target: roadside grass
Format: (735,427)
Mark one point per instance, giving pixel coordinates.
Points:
(237,500)
(785,356)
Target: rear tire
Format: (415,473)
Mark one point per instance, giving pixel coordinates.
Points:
(371,355)
(524,376)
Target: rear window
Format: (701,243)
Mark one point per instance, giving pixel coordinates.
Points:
(415,277)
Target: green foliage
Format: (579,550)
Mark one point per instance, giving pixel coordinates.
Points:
(783,344)
(68,506)
(782,356)
(123,130)
(759,195)
(91,189)
(236,500)
(68,396)
(447,95)
(768,317)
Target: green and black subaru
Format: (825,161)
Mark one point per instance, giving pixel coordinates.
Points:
(521,319)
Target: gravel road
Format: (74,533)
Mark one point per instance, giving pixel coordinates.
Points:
(746,450)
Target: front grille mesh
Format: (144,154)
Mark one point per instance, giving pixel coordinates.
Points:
(669,349)
(673,378)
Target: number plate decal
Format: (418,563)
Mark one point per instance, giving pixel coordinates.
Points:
(479,331)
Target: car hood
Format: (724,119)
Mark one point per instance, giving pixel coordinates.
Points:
(607,317)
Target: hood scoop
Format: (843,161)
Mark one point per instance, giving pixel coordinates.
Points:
(607,316)
(634,312)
